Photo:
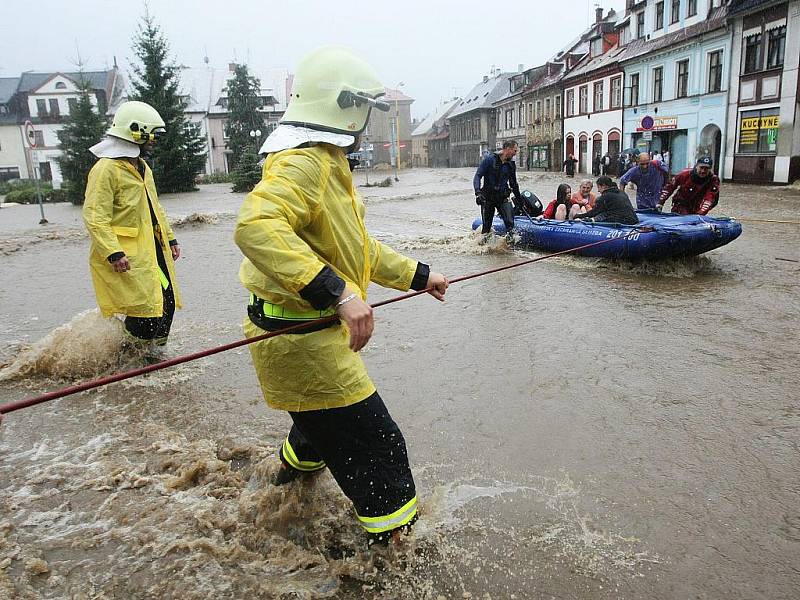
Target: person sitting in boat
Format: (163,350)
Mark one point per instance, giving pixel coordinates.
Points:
(612,206)
(584,198)
(561,208)
(696,190)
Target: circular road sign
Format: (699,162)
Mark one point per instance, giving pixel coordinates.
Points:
(647,122)
(30,134)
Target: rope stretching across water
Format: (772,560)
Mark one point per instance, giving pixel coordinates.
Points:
(95,383)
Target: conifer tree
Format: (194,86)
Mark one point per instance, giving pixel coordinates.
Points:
(247,172)
(83,128)
(244,100)
(179,154)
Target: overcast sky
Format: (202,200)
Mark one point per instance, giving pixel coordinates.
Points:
(437,48)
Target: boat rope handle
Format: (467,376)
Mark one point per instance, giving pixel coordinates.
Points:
(96,383)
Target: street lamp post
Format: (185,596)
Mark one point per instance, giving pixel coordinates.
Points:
(397,130)
(256,135)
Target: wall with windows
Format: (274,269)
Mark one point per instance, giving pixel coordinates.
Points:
(657,18)
(13,164)
(593,118)
(762,140)
(683,88)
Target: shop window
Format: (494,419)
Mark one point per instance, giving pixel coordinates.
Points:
(752,53)
(776,46)
(715,72)
(682,83)
(758,131)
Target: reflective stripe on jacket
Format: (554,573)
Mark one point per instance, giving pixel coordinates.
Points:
(117,215)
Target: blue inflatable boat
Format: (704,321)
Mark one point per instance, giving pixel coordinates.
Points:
(658,235)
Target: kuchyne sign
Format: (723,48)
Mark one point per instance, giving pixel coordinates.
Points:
(648,123)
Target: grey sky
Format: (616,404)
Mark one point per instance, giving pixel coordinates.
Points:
(435,48)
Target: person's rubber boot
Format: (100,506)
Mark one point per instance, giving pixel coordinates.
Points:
(285,475)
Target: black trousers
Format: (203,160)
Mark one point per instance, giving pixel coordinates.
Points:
(155,328)
(504,208)
(366,454)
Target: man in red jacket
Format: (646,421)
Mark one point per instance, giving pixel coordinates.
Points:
(696,190)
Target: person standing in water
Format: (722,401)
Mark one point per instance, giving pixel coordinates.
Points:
(133,251)
(308,255)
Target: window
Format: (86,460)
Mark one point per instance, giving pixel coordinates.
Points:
(658,84)
(530,112)
(659,15)
(675,12)
(520,117)
(634,89)
(547,113)
(752,53)
(538,110)
(41,108)
(776,45)
(691,8)
(616,92)
(557,105)
(509,119)
(682,83)
(758,131)
(583,99)
(570,103)
(597,46)
(640,25)
(598,97)
(54,107)
(72,105)
(38,138)
(715,71)
(60,85)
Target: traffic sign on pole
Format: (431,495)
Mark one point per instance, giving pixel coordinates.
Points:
(30,134)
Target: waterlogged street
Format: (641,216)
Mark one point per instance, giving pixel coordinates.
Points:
(578,428)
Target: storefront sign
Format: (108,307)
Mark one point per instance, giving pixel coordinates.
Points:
(648,123)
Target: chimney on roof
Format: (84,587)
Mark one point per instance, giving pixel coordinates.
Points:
(232,67)
(485,78)
(520,68)
(598,14)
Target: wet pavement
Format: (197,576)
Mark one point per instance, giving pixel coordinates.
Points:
(578,428)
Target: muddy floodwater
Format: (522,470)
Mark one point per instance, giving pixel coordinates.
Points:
(577,428)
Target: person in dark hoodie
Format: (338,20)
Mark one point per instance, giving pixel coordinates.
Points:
(612,205)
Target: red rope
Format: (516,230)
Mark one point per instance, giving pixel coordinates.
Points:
(95,383)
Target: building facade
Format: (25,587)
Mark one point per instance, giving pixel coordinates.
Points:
(430,126)
(543,134)
(763,135)
(382,126)
(472,122)
(676,82)
(46,100)
(592,93)
(510,117)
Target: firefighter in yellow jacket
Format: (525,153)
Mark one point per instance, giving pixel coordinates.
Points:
(133,247)
(308,255)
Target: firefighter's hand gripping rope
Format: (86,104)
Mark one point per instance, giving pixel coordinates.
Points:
(95,383)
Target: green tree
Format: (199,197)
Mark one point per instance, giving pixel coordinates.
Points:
(83,128)
(179,154)
(247,172)
(244,100)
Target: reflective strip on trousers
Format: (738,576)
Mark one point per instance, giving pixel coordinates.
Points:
(287,452)
(397,519)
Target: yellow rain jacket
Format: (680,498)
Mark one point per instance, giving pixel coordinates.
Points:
(117,216)
(303,215)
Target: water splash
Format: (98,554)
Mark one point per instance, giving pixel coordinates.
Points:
(86,346)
